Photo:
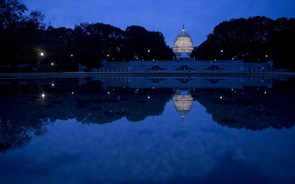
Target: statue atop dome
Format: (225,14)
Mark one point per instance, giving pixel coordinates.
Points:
(183,45)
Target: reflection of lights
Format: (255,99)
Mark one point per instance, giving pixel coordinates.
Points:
(113,89)
(232,58)
(153,87)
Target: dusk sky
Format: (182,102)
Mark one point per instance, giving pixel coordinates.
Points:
(166,16)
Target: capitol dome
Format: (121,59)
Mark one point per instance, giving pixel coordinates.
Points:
(183,45)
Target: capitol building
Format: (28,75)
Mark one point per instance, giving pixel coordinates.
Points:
(183,62)
(183,45)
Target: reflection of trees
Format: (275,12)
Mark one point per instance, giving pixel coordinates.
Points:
(250,108)
(130,103)
(19,121)
(16,133)
(25,115)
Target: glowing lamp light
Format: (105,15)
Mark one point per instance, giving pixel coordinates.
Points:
(149,97)
(52,84)
(266,56)
(52,64)
(73,92)
(221,51)
(265,92)
(72,55)
(220,97)
(42,54)
(43,95)
(149,51)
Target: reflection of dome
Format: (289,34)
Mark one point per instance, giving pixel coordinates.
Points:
(183,44)
(182,102)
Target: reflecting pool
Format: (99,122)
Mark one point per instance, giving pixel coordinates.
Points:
(147,130)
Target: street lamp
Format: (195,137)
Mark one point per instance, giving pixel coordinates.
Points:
(42,54)
(221,54)
(148,53)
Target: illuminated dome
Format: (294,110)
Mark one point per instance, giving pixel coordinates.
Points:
(182,102)
(183,45)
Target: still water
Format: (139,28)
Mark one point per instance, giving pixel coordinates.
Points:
(147,130)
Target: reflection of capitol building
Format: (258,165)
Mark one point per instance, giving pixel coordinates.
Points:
(183,101)
(183,45)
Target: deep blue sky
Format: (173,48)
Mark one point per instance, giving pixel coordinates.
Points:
(166,16)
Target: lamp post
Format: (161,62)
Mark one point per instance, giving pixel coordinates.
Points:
(41,55)
(221,55)
(148,53)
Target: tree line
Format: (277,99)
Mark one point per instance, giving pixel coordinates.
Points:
(25,39)
(254,39)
